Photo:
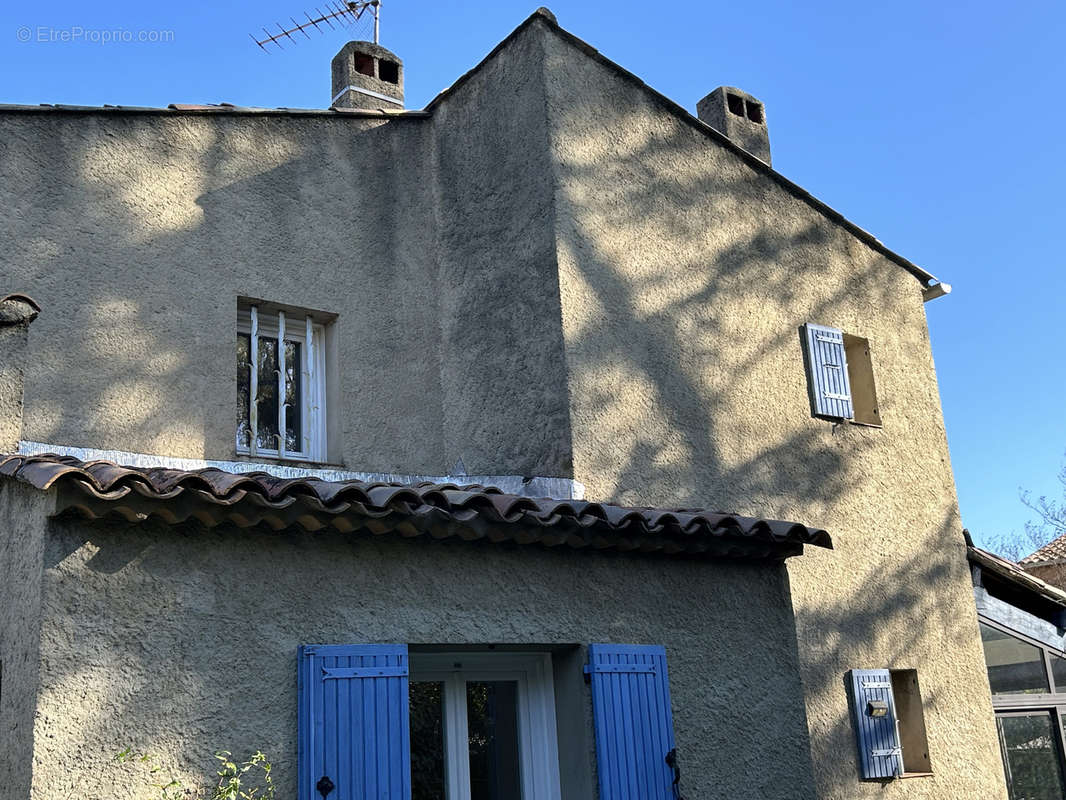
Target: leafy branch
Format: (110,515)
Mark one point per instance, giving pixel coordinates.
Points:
(247,779)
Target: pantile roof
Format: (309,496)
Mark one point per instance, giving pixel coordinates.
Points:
(97,489)
(1052,552)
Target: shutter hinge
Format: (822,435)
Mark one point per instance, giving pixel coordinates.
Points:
(633,668)
(363,672)
(835,396)
(875,684)
(891,751)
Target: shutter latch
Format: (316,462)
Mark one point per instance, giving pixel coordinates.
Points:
(324,785)
(671,762)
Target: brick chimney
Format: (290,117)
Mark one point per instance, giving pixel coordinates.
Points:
(366,75)
(739,116)
(17,311)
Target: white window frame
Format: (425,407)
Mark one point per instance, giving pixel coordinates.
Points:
(538,745)
(255,320)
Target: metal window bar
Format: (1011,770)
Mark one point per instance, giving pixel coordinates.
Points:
(253,383)
(281,384)
(309,419)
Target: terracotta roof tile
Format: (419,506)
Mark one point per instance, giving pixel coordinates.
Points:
(1055,550)
(101,488)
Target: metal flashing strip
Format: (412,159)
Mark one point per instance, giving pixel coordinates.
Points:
(555,488)
(368,93)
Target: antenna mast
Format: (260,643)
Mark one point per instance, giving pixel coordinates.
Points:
(345,14)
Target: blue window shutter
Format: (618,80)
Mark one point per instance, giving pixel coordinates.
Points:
(880,755)
(353,721)
(827,376)
(633,721)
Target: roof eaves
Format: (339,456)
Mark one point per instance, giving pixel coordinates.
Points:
(224,109)
(1014,573)
(544,15)
(98,489)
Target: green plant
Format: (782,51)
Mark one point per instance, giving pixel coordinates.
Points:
(247,779)
(235,782)
(155,779)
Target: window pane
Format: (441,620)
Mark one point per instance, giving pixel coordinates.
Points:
(492,719)
(1030,757)
(427,740)
(244,385)
(293,375)
(1058,672)
(1014,667)
(268,394)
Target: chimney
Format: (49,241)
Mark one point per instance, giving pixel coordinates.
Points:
(17,311)
(366,75)
(739,116)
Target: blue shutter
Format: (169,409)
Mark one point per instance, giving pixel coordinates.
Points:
(827,367)
(633,721)
(353,721)
(880,755)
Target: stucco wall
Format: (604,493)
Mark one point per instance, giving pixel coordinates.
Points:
(431,238)
(183,640)
(22,542)
(685,276)
(138,232)
(12,355)
(503,370)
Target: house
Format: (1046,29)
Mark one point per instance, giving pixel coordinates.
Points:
(1022,620)
(572,385)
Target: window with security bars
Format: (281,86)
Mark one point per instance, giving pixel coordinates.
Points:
(281,383)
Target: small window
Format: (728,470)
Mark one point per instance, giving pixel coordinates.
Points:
(389,71)
(281,382)
(754,111)
(840,377)
(735,103)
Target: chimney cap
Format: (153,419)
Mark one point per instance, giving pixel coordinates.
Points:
(368,76)
(740,116)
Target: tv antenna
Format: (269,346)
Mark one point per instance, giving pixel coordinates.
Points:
(344,14)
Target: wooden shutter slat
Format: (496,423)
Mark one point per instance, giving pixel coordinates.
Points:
(633,721)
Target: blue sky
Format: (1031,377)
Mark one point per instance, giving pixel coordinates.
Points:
(938,126)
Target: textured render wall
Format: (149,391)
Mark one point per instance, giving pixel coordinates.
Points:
(139,231)
(12,358)
(183,640)
(685,276)
(503,369)
(22,541)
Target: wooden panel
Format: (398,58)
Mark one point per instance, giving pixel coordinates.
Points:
(861,378)
(353,721)
(633,721)
(879,748)
(912,735)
